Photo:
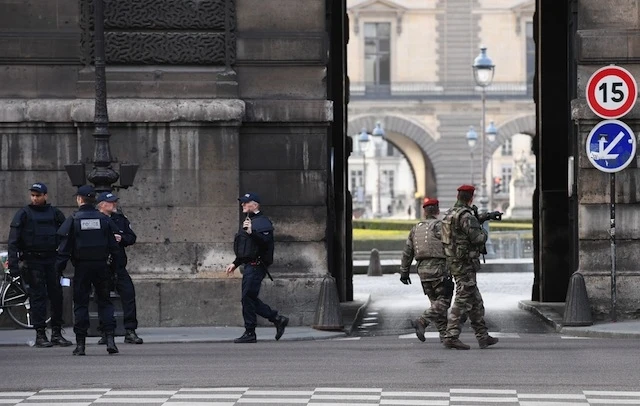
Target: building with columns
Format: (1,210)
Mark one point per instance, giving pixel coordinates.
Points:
(410,69)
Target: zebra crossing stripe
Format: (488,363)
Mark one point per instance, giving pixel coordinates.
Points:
(416,402)
(548,403)
(207,396)
(230,389)
(234,396)
(574,396)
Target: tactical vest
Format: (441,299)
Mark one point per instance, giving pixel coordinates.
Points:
(90,232)
(39,234)
(425,242)
(454,247)
(244,247)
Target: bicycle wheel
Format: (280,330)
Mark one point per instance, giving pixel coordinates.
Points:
(15,301)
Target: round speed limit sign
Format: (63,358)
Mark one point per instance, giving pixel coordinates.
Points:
(611,92)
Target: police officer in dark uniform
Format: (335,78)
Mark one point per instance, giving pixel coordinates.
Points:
(33,240)
(107,205)
(88,240)
(253,247)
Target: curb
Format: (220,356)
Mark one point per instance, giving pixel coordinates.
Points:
(548,314)
(359,314)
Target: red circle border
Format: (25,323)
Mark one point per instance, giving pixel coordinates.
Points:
(626,77)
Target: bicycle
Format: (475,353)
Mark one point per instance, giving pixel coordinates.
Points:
(15,300)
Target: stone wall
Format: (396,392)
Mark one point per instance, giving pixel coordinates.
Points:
(607,35)
(202,133)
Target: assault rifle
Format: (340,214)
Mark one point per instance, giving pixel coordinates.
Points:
(493,215)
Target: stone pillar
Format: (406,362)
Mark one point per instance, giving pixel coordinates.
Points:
(598,45)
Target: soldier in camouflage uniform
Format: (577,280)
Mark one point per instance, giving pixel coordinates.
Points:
(425,245)
(464,238)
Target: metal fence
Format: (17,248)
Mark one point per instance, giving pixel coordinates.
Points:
(512,244)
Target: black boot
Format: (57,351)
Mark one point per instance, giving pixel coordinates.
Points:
(280,323)
(249,336)
(130,337)
(420,325)
(103,339)
(58,339)
(80,344)
(41,338)
(111,343)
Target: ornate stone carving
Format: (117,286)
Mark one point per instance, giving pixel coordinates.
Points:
(165,14)
(165,48)
(160,32)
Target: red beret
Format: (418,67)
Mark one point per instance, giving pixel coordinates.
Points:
(428,201)
(467,188)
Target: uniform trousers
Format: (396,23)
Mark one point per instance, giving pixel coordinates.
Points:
(252,277)
(43,285)
(88,274)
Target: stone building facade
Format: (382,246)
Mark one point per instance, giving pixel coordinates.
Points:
(212,99)
(410,68)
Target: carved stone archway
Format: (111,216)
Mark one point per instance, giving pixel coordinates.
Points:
(412,140)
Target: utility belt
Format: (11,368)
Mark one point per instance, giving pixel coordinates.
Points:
(38,255)
(258,262)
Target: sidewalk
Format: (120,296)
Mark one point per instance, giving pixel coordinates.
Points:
(553,314)
(351,311)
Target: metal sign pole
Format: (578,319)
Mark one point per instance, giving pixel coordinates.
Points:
(612,178)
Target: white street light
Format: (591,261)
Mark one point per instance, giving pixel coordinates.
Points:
(483,70)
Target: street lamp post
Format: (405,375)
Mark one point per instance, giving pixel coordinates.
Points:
(483,70)
(363,141)
(102,175)
(378,136)
(491,132)
(472,139)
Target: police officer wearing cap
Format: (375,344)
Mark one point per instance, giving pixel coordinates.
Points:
(425,245)
(33,240)
(87,239)
(464,238)
(107,204)
(253,246)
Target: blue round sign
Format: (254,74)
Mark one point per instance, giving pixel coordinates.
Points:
(611,146)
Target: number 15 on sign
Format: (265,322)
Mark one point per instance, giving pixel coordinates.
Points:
(611,92)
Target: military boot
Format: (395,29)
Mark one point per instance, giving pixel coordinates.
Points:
(249,336)
(485,342)
(58,339)
(103,339)
(455,343)
(41,338)
(111,343)
(80,345)
(420,325)
(130,337)
(280,323)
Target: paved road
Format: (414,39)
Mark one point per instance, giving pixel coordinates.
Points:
(394,304)
(530,366)
(524,363)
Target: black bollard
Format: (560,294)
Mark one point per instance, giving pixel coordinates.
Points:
(577,310)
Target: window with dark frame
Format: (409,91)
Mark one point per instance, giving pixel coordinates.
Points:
(377,56)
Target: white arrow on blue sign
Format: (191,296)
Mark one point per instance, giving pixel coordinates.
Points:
(611,146)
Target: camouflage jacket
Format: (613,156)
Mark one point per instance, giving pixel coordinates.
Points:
(463,238)
(425,245)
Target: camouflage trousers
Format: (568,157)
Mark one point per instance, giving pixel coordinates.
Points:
(468,302)
(439,292)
